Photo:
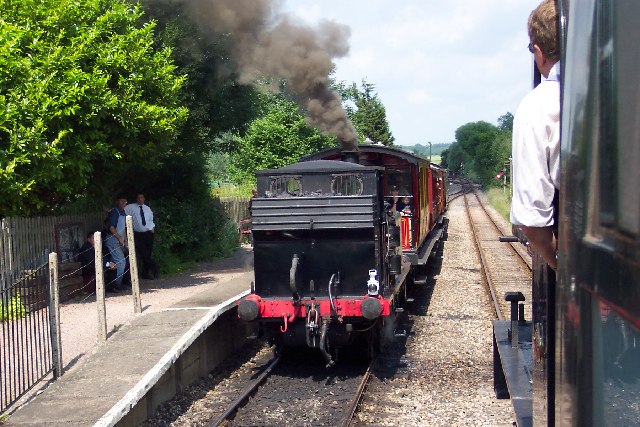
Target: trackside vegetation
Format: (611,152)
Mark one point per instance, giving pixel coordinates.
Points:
(107,97)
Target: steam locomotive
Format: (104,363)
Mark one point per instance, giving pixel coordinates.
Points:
(332,255)
(577,361)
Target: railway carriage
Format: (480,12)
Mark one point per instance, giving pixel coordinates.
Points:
(422,182)
(331,260)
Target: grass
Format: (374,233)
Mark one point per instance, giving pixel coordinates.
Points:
(232,190)
(500,199)
(13,310)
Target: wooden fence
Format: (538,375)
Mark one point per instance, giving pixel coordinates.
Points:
(236,207)
(25,243)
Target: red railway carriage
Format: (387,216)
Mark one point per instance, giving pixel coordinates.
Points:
(424,184)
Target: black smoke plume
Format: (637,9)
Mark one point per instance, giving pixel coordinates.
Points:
(267,43)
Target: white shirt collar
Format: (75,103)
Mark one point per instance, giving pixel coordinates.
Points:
(554,73)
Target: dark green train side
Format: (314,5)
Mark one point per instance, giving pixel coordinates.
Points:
(583,345)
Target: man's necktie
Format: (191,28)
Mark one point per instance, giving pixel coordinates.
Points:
(144,221)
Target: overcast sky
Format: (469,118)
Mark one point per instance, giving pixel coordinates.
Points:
(436,65)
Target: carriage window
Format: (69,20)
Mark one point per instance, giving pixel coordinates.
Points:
(628,109)
(400,179)
(607,112)
(285,186)
(347,185)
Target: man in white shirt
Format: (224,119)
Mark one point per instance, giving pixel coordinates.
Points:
(536,140)
(143,233)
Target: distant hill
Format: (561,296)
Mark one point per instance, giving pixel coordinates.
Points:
(423,150)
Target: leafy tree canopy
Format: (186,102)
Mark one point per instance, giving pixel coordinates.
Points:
(505,122)
(276,139)
(366,112)
(481,150)
(83,93)
(217,103)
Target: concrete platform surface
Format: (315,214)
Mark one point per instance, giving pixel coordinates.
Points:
(110,382)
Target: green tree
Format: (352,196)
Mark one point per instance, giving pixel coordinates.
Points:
(458,161)
(367,113)
(444,158)
(278,138)
(217,103)
(83,94)
(501,148)
(477,141)
(505,122)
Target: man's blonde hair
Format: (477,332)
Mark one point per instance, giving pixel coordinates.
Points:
(543,29)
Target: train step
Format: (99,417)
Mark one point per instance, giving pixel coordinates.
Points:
(420,280)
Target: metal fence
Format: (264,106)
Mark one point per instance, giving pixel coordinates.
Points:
(31,252)
(25,243)
(26,353)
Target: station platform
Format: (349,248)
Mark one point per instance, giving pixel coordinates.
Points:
(145,363)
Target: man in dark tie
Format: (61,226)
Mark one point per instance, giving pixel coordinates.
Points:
(143,233)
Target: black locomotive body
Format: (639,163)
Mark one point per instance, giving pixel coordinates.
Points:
(583,343)
(331,260)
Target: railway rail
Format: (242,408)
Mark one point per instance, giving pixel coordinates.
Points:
(504,268)
(254,412)
(435,374)
(246,393)
(301,391)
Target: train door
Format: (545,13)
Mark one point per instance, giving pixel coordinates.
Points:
(425,217)
(431,199)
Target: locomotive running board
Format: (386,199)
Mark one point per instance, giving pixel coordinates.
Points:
(512,377)
(428,246)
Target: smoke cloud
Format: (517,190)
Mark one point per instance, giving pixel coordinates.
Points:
(267,43)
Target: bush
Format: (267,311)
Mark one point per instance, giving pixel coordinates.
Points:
(13,310)
(191,231)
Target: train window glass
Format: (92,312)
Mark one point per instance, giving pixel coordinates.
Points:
(615,347)
(401,179)
(347,185)
(607,116)
(628,107)
(285,186)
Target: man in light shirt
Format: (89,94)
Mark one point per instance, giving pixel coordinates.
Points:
(143,233)
(536,140)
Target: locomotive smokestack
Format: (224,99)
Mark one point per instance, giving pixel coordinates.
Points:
(351,156)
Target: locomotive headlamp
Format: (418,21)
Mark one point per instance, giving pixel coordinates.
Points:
(373,286)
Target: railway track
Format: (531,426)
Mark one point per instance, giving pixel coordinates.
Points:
(436,374)
(504,267)
(246,393)
(301,391)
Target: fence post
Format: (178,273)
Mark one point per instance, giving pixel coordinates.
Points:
(54,315)
(133,267)
(102,309)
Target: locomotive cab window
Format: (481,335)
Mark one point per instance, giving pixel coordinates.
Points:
(282,186)
(346,185)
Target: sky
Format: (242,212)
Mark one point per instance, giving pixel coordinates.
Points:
(435,65)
